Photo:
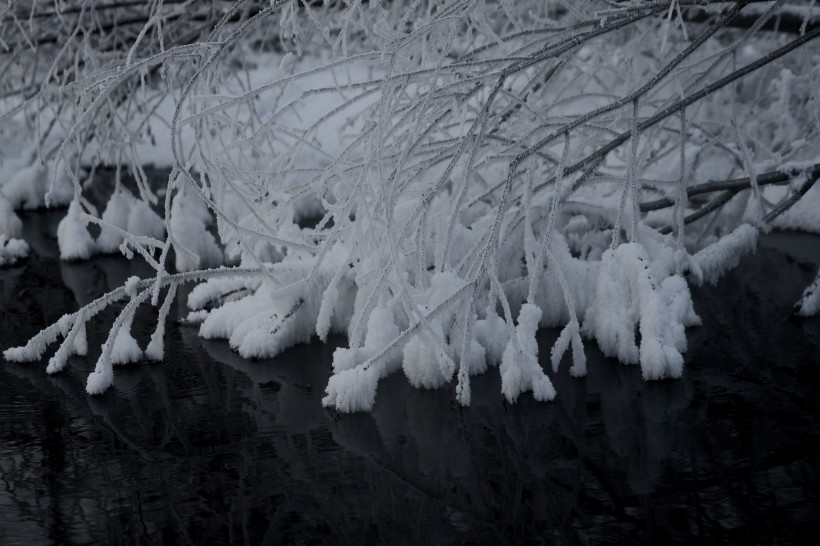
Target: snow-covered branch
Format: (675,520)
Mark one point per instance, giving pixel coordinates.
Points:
(436,180)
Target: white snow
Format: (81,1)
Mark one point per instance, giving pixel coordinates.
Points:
(381,330)
(27,187)
(520,370)
(221,289)
(12,250)
(418,225)
(75,343)
(119,348)
(352,390)
(81,341)
(194,246)
(493,334)
(100,379)
(126,212)
(116,214)
(10,224)
(267,321)
(72,235)
(424,364)
(131,286)
(125,349)
(144,222)
(628,296)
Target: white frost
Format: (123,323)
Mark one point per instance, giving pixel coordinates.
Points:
(711,262)
(352,390)
(520,370)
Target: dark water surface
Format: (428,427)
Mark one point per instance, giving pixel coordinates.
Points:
(208,448)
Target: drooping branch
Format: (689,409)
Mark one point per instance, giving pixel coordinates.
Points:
(778,177)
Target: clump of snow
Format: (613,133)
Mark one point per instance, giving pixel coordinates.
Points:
(221,289)
(35,347)
(711,262)
(627,296)
(282,323)
(26,353)
(10,224)
(12,250)
(381,330)
(132,215)
(144,222)
(428,358)
(195,317)
(267,321)
(100,379)
(119,348)
(131,285)
(27,188)
(125,349)
(75,342)
(519,368)
(116,214)
(424,363)
(681,308)
(579,276)
(72,235)
(194,246)
(223,321)
(493,334)
(352,390)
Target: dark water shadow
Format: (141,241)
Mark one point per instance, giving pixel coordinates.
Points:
(210,448)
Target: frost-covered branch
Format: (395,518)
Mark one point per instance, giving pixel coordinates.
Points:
(436,180)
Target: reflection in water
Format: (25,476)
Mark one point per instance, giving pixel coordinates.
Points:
(210,448)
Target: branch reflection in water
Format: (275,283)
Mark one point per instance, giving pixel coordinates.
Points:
(208,447)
